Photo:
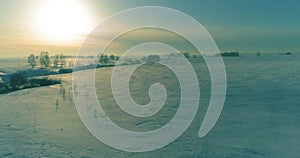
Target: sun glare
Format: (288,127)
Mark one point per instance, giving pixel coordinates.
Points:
(61,20)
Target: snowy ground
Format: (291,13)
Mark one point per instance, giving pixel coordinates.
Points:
(11,65)
(260,117)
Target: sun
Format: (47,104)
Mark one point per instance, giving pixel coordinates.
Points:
(61,20)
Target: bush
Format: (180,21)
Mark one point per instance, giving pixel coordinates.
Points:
(31,83)
(3,88)
(17,79)
(37,82)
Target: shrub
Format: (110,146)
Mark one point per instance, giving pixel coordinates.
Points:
(36,82)
(3,88)
(20,84)
(62,71)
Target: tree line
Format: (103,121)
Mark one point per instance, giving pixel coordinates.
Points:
(45,60)
(105,59)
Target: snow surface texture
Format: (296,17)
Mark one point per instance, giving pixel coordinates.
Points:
(260,116)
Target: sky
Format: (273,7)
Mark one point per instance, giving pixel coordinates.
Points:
(33,26)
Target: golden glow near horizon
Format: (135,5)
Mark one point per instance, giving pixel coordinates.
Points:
(61,21)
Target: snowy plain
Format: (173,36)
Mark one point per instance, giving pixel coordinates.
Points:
(260,118)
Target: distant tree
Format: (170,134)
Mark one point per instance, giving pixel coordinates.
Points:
(112,57)
(153,58)
(117,58)
(59,60)
(55,60)
(106,59)
(103,59)
(44,59)
(230,54)
(41,58)
(31,60)
(258,54)
(288,53)
(70,63)
(186,54)
(62,60)
(47,60)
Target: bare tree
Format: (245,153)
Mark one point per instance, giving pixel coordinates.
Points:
(44,59)
(70,64)
(55,60)
(62,60)
(31,60)
(59,60)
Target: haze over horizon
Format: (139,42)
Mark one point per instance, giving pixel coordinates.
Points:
(33,26)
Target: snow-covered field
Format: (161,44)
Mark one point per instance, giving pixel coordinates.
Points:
(260,117)
(11,65)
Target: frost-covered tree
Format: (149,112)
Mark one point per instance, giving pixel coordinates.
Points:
(44,59)
(31,60)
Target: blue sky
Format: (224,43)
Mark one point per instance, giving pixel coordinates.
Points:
(245,26)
